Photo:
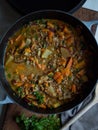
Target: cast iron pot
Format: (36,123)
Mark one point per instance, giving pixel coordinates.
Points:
(51,14)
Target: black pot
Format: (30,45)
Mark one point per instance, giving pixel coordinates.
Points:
(51,14)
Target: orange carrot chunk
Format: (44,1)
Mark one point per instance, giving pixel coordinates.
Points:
(66,71)
(58,77)
(73,88)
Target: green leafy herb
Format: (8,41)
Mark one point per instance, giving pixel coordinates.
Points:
(41,21)
(9,75)
(20,91)
(50,75)
(51,122)
(36,37)
(39,97)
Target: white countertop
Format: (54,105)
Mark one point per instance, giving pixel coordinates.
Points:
(91,4)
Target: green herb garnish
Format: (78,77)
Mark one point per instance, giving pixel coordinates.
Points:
(20,92)
(50,75)
(36,37)
(39,97)
(9,75)
(51,122)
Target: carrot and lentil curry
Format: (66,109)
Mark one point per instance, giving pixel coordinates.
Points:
(46,62)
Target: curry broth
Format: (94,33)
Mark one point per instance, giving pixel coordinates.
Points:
(46,63)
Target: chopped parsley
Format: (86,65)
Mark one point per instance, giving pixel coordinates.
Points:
(9,75)
(51,122)
(39,97)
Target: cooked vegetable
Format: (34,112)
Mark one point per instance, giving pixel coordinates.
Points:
(48,63)
(9,59)
(65,52)
(51,122)
(58,77)
(67,70)
(46,53)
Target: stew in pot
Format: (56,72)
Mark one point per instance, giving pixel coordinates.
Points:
(48,63)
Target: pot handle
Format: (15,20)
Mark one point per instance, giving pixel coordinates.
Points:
(4,99)
(90,23)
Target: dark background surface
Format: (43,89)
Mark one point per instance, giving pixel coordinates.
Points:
(26,6)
